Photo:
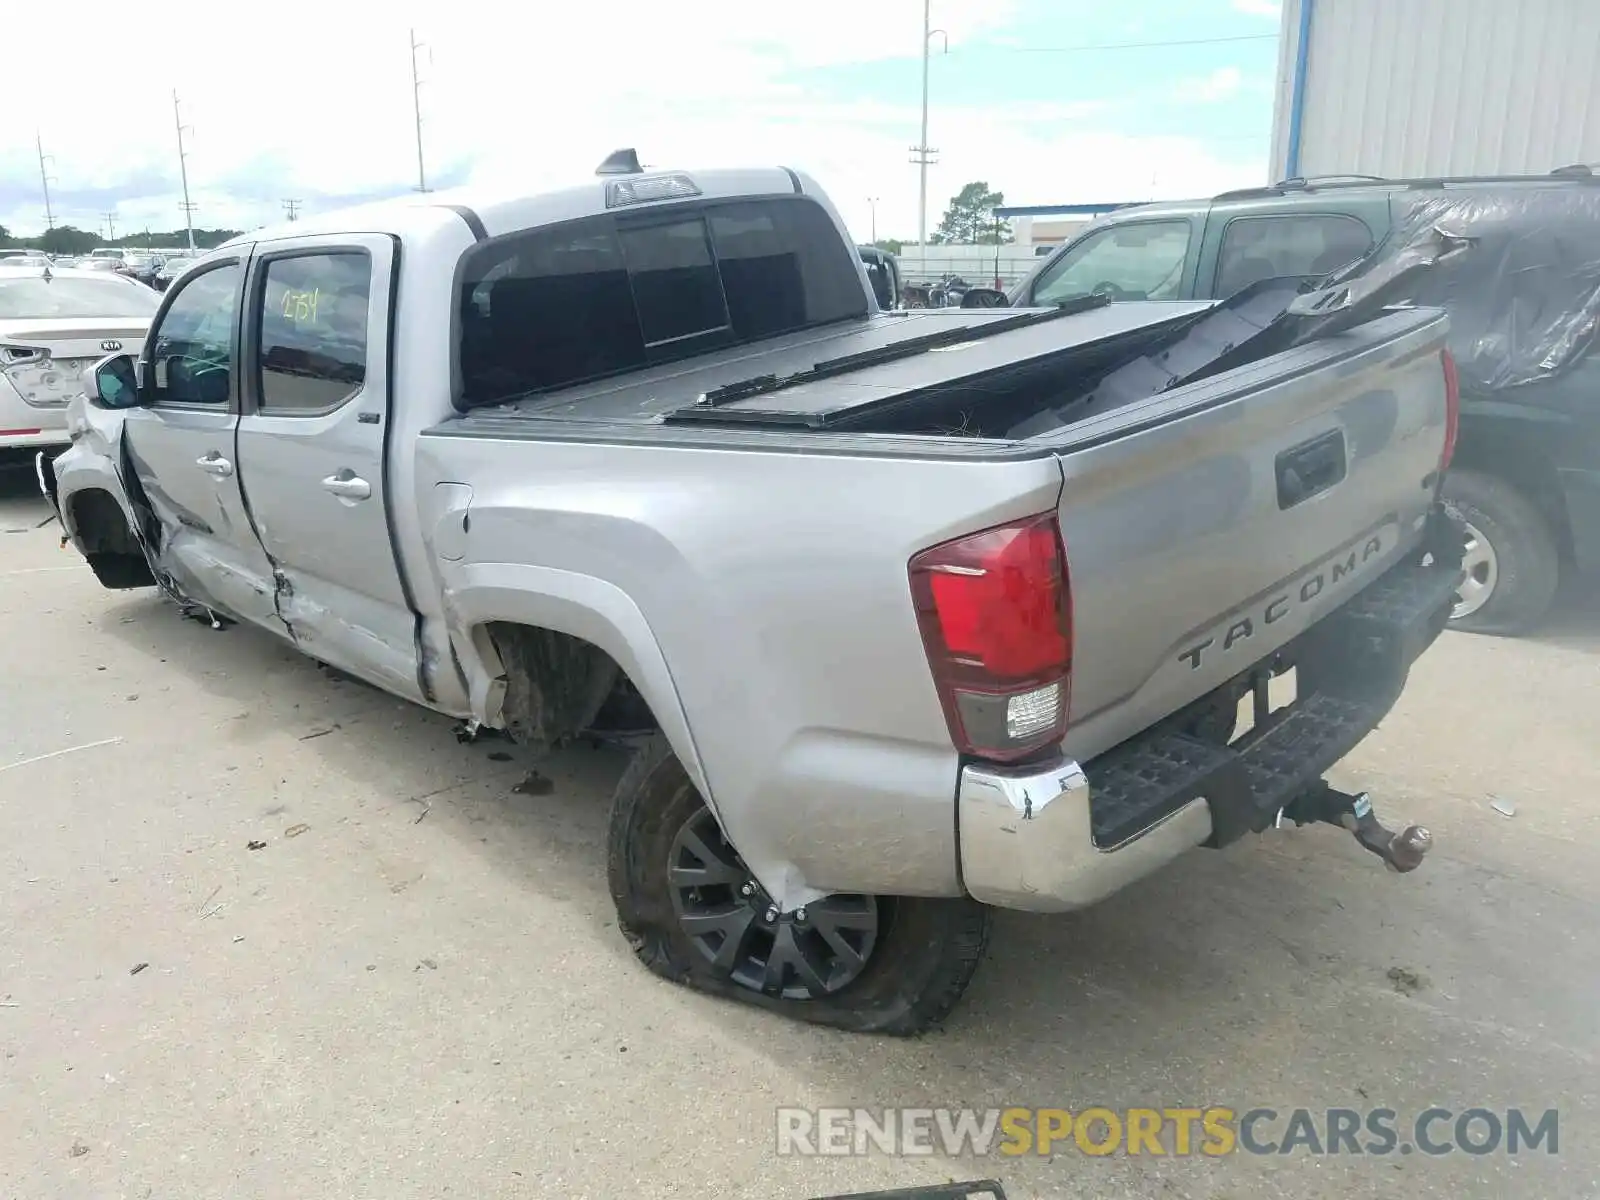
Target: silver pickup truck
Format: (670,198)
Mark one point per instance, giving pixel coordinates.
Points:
(913,613)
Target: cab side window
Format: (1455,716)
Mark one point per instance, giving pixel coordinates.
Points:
(1137,260)
(312,331)
(191,352)
(1257,248)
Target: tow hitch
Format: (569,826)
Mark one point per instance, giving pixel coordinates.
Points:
(1402,852)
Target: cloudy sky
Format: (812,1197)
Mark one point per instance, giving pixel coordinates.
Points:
(1050,101)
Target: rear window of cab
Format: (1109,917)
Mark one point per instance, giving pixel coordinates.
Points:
(565,303)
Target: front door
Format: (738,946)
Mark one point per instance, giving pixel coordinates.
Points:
(181,446)
(311,451)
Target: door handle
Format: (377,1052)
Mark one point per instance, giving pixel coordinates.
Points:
(347,486)
(214,464)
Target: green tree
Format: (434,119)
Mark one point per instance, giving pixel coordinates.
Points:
(65,239)
(969,221)
(890,245)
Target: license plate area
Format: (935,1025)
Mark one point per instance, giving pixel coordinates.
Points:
(1271,688)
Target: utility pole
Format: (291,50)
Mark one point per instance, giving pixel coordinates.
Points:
(292,208)
(183,170)
(416,105)
(44,181)
(111,225)
(922,154)
(872,203)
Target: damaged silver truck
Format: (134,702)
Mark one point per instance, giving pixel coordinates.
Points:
(916,614)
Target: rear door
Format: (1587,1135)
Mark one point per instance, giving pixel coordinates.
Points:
(1245,247)
(311,450)
(181,446)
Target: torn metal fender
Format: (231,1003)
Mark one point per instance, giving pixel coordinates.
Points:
(97,460)
(477,594)
(93,461)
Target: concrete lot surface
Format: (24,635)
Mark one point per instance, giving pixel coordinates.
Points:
(414,988)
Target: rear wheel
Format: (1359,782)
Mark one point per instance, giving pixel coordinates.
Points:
(695,914)
(1510,559)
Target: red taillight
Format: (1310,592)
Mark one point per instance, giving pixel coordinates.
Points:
(995,613)
(1452,407)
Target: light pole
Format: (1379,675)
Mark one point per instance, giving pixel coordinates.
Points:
(44,180)
(872,203)
(183,170)
(416,104)
(922,153)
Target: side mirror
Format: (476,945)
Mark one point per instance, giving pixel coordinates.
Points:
(984,298)
(113,383)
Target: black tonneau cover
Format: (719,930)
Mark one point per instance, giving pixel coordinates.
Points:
(884,358)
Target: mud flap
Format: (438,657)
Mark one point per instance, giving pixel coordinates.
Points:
(44,470)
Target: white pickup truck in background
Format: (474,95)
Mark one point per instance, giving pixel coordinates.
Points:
(920,613)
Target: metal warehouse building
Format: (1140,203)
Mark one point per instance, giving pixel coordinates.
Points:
(1437,87)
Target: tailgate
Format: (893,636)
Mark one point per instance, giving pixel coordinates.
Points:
(1208,526)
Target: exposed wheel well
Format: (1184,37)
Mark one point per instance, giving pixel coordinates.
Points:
(558,687)
(1525,469)
(109,545)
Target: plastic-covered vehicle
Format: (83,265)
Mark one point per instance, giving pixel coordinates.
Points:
(1524,324)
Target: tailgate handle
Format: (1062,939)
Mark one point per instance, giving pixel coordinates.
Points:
(1310,468)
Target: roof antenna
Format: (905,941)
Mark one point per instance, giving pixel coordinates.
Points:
(620,162)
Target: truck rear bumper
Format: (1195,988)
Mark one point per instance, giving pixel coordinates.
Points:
(1059,835)
(1026,840)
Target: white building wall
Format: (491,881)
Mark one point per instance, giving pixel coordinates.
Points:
(1442,87)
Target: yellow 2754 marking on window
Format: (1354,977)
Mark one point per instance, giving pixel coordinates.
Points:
(301,307)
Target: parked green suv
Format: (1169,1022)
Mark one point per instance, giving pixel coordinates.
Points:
(1525,331)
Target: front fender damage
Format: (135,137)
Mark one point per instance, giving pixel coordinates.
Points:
(99,451)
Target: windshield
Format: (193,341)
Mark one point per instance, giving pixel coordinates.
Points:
(1137,261)
(37,297)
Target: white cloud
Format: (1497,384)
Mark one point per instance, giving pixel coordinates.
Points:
(1219,85)
(1259,8)
(537,95)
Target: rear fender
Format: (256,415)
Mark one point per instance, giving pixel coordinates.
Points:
(477,595)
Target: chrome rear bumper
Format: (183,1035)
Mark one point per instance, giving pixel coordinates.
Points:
(1026,840)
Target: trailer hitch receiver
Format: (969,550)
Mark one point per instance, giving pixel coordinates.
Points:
(1402,851)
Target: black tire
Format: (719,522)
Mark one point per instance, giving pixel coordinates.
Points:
(1528,565)
(926,949)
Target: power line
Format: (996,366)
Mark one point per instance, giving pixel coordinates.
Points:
(110,219)
(292,208)
(1085,49)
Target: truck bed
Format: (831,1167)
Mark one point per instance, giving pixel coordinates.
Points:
(845,375)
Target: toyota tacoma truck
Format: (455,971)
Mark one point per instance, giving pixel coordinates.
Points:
(911,614)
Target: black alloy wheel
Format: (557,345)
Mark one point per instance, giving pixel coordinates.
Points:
(815,951)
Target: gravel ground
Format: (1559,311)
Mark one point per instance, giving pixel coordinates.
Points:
(414,987)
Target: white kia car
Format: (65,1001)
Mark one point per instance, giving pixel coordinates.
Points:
(54,325)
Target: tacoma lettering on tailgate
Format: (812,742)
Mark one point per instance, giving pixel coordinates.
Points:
(1282,603)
